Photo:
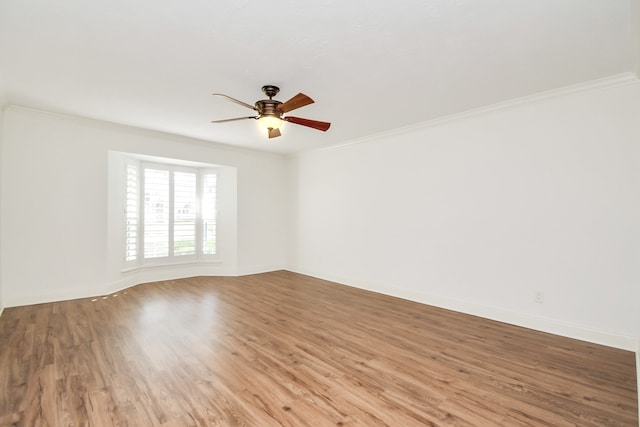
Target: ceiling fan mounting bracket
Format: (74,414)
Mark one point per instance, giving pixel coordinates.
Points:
(270,90)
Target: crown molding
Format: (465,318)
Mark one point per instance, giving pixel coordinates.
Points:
(139,131)
(623,79)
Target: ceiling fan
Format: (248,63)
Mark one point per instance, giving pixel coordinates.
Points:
(271,112)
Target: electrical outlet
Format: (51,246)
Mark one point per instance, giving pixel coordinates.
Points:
(538,296)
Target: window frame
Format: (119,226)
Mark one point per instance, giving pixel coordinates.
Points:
(171,259)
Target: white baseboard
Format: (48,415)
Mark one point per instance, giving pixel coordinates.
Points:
(175,271)
(258,269)
(64,295)
(538,323)
(137,276)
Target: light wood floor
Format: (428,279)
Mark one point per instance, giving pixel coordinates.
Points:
(285,349)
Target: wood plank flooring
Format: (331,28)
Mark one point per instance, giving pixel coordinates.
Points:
(283,349)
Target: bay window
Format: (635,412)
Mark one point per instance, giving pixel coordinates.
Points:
(170,213)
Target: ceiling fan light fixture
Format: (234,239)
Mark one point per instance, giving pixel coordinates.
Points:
(270,122)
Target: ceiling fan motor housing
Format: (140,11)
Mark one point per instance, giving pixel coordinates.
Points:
(268,107)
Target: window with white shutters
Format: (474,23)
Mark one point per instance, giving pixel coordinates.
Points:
(132,213)
(156,213)
(209,214)
(184,217)
(170,213)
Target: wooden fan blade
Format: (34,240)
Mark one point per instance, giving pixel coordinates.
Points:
(300,100)
(244,104)
(323,126)
(233,120)
(273,133)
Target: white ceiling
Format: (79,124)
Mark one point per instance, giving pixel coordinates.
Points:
(370,66)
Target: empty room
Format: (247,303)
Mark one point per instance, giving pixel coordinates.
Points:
(325,213)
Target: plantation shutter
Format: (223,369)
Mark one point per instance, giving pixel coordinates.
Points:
(184,219)
(170,213)
(156,213)
(131,213)
(209,214)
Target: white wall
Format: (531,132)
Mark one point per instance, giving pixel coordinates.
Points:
(478,213)
(55,213)
(1,122)
(635,36)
